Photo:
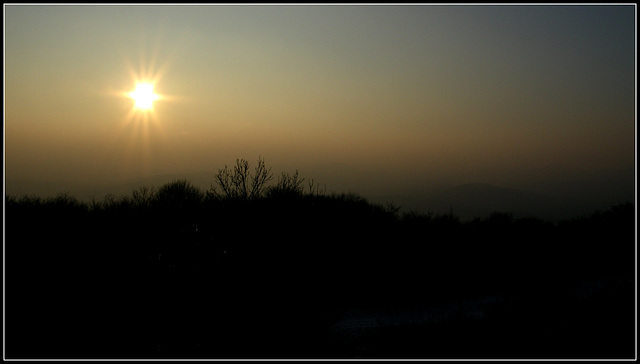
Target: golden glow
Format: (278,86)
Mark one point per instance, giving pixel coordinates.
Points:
(144,96)
(141,129)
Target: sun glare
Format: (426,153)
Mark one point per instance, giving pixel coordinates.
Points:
(143,96)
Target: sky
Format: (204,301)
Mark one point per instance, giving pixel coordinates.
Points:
(382,100)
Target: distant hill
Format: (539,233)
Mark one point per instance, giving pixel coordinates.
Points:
(480,199)
(474,200)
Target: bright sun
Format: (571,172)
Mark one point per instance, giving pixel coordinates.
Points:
(144,96)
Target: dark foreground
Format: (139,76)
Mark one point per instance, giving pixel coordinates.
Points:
(176,274)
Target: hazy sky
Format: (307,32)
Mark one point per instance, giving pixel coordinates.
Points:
(407,94)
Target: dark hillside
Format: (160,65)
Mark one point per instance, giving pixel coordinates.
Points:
(175,272)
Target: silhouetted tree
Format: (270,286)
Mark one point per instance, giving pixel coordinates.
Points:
(239,182)
(288,185)
(144,196)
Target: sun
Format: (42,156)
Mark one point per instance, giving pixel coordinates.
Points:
(144,96)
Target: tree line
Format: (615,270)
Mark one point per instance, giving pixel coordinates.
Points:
(249,269)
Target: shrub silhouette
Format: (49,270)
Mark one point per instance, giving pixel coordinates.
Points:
(178,195)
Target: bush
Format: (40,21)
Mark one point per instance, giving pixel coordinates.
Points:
(179,194)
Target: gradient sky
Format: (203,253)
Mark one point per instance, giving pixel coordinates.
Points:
(395,96)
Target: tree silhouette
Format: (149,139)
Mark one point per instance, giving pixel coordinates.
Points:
(288,185)
(239,182)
